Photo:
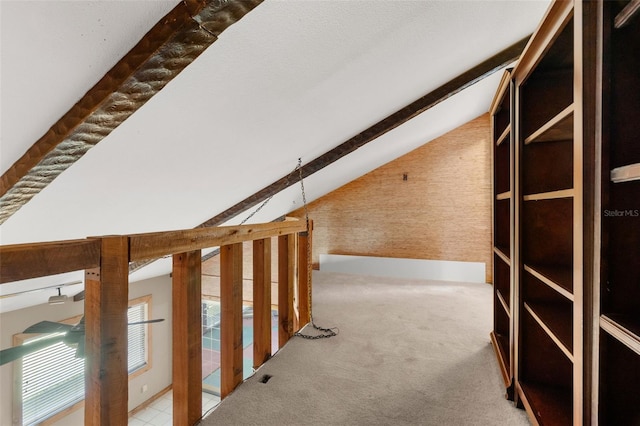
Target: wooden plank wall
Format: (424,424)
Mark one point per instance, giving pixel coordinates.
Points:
(442,211)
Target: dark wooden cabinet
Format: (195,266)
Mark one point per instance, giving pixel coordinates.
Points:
(567,217)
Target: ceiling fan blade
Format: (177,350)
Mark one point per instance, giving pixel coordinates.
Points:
(80,349)
(77,335)
(78,296)
(16,352)
(146,322)
(48,327)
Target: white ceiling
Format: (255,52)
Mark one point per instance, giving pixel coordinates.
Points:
(292,79)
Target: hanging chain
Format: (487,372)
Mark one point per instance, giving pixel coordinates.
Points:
(326,332)
(265,202)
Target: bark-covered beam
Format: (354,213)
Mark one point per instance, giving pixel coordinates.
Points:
(172,44)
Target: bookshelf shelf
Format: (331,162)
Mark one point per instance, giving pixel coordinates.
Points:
(504,136)
(548,403)
(626,173)
(503,196)
(500,253)
(556,322)
(559,128)
(552,195)
(630,11)
(558,278)
(623,328)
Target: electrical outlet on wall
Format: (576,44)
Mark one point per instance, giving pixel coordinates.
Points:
(143,389)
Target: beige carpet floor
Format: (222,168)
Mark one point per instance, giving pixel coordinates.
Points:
(409,352)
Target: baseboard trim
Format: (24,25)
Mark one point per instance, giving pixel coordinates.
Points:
(441,270)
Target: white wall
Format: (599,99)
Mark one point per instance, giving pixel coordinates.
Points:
(156,379)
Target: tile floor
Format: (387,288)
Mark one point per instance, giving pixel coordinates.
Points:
(160,413)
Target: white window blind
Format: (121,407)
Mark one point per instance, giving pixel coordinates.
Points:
(53,378)
(137,355)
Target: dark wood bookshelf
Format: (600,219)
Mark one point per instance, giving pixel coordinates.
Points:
(502,336)
(503,303)
(502,169)
(502,227)
(630,11)
(557,173)
(504,136)
(618,383)
(619,321)
(549,404)
(544,361)
(559,128)
(550,195)
(557,321)
(570,206)
(547,232)
(502,280)
(501,345)
(557,277)
(624,328)
(547,210)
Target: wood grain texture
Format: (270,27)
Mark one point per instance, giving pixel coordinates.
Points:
(441,212)
(261,301)
(304,277)
(158,244)
(286,265)
(23,261)
(211,290)
(230,318)
(211,275)
(105,308)
(187,338)
(211,266)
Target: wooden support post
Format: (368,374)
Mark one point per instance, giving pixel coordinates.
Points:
(295,326)
(304,275)
(261,301)
(187,338)
(286,264)
(231,318)
(105,307)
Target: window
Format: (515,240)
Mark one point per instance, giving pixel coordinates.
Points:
(137,346)
(51,380)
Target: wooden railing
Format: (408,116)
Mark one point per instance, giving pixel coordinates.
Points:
(106,262)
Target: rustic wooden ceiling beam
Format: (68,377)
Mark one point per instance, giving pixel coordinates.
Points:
(431,99)
(172,44)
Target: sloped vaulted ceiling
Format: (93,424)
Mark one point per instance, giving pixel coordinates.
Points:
(291,79)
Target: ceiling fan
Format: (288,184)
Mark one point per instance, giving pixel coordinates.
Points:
(71,335)
(60,298)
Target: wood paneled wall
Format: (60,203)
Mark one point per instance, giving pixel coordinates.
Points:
(432,203)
